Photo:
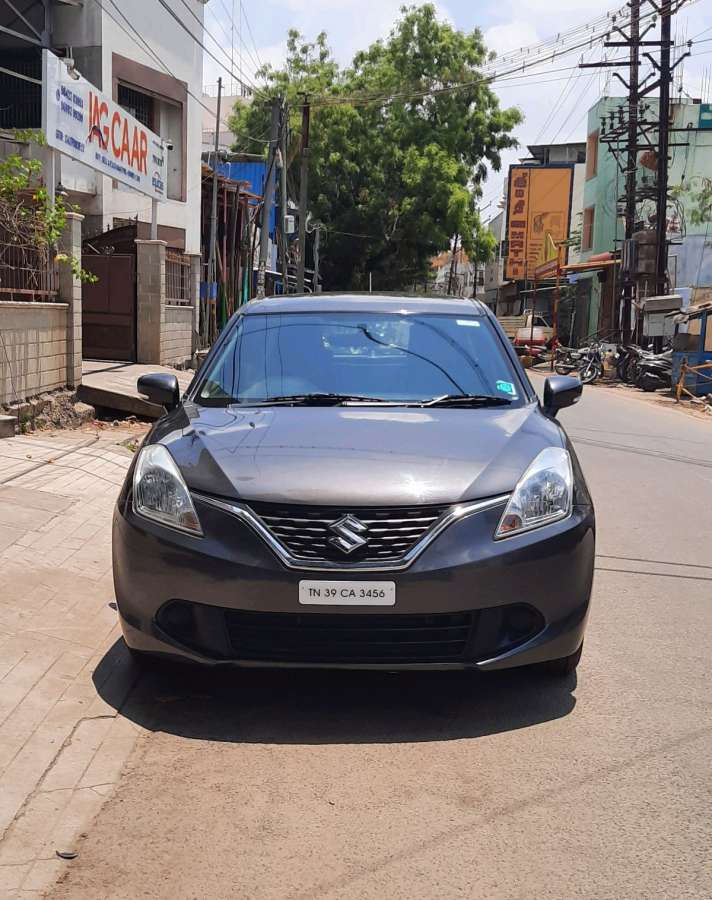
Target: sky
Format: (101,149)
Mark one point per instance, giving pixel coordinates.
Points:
(554,110)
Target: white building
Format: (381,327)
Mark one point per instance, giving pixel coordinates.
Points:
(209,115)
(137,52)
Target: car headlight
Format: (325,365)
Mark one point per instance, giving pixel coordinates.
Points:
(544,494)
(160,493)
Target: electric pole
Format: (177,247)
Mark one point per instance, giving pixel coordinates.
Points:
(631,175)
(268,200)
(212,278)
(283,197)
(303,195)
(661,246)
(453,265)
(630,132)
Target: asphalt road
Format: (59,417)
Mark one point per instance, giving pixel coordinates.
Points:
(332,785)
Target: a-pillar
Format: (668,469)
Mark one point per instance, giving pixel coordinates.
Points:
(150,299)
(70,292)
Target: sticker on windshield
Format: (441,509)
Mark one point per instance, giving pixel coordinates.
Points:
(506,387)
(471,323)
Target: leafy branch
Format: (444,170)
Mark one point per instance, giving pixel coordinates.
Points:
(28,217)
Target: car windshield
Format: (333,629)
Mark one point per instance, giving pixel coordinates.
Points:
(359,357)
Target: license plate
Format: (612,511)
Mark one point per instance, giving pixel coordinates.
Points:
(347,593)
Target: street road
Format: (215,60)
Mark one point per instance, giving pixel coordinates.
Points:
(330,785)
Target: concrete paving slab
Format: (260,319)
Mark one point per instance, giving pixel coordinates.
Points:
(62,747)
(113,385)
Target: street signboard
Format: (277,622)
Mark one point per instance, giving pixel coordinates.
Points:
(538,207)
(82,122)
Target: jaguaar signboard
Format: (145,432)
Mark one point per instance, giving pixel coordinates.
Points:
(82,122)
(538,209)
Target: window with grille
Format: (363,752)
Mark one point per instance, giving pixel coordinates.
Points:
(587,233)
(592,155)
(140,105)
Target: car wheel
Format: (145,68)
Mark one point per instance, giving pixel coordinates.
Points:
(566,665)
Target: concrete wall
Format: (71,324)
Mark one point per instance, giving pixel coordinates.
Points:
(41,343)
(177,335)
(164,332)
(33,351)
(70,292)
(150,299)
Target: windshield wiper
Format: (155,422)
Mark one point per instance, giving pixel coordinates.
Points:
(467,400)
(316,399)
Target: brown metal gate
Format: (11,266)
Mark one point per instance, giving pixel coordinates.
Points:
(109,307)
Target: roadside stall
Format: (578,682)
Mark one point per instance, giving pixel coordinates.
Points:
(692,352)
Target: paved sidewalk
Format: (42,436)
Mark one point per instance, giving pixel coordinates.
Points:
(113,385)
(62,746)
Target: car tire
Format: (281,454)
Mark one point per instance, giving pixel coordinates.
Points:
(566,665)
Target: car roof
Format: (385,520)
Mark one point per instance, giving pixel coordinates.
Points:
(355,302)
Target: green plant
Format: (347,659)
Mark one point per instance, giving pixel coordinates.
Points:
(28,216)
(700,198)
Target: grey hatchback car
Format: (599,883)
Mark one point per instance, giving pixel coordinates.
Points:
(357,481)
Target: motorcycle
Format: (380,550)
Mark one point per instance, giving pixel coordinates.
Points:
(587,362)
(654,371)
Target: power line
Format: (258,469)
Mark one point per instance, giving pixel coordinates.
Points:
(356,100)
(163,65)
(256,62)
(187,30)
(247,83)
(252,37)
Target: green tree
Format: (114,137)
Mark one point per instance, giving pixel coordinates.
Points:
(400,143)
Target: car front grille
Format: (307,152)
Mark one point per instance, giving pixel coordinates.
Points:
(349,638)
(307,532)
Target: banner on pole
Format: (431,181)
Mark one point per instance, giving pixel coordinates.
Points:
(86,124)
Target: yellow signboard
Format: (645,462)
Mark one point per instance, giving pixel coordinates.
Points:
(538,215)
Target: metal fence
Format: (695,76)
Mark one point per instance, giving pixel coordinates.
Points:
(178,290)
(27,272)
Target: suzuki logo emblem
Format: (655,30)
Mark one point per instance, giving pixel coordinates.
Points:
(348,531)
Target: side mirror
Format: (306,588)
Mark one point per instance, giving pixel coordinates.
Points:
(160,388)
(561,391)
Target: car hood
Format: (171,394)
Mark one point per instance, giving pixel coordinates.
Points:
(355,455)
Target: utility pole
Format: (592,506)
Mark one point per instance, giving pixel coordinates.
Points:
(268,199)
(453,264)
(632,133)
(663,148)
(283,197)
(317,245)
(303,195)
(212,301)
(631,175)
(622,139)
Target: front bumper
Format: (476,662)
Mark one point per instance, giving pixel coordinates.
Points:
(226,599)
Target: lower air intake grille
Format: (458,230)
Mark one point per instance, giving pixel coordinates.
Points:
(343,638)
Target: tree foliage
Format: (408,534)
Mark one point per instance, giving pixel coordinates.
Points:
(400,143)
